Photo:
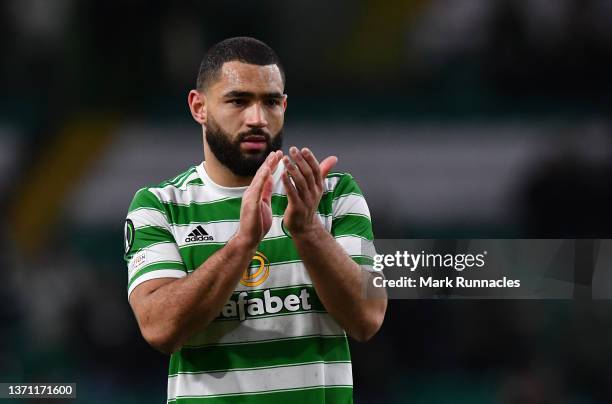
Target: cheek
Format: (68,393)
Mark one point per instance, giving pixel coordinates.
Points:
(228,119)
(276,118)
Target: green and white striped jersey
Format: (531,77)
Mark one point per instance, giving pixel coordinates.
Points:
(273,342)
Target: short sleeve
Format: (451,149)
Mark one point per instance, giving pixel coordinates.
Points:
(150,248)
(351,221)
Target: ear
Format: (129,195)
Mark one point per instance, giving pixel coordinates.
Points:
(197,106)
(285,96)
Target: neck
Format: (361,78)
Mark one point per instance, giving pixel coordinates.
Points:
(220,174)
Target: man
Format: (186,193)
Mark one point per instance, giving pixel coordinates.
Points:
(248,268)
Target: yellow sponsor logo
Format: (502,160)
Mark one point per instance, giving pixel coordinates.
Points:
(256,275)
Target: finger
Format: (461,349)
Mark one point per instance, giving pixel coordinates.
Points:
(292,194)
(275,159)
(313,163)
(327,164)
(298,178)
(262,174)
(265,166)
(304,167)
(266,194)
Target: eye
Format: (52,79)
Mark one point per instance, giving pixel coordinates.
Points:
(272,102)
(238,102)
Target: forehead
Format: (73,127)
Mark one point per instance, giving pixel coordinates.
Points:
(239,76)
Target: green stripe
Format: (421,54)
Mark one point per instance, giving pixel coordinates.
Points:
(145,199)
(174,181)
(229,209)
(196,182)
(331,394)
(363,260)
(346,185)
(350,214)
(156,267)
(264,340)
(183,179)
(233,221)
(276,250)
(353,235)
(177,180)
(352,224)
(147,236)
(259,355)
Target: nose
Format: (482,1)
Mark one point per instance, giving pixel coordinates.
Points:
(256,116)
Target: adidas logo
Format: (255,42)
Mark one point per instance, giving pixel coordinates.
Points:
(198,234)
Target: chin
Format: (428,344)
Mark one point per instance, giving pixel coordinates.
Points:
(254,154)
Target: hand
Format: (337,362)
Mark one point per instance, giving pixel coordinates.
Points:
(256,209)
(308,176)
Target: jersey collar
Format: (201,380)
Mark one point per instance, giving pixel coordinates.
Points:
(231,191)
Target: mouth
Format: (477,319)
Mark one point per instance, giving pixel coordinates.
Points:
(254,142)
(254,138)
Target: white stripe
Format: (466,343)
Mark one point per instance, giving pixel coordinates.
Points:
(279,187)
(357,246)
(152,254)
(250,330)
(220,231)
(223,231)
(186,195)
(355,204)
(331,182)
(370,268)
(330,185)
(162,273)
(256,380)
(148,217)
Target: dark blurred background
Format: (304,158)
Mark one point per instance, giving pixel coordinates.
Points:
(459,118)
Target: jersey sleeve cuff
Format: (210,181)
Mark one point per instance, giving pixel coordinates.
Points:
(160,273)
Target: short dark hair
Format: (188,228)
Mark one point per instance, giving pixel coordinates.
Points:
(243,49)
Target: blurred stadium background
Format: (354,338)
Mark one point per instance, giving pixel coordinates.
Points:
(459,118)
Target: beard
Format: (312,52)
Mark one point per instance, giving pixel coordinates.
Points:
(228,152)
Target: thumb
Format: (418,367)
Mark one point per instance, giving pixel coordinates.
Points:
(326,165)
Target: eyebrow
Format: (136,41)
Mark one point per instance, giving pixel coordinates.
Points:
(248,94)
